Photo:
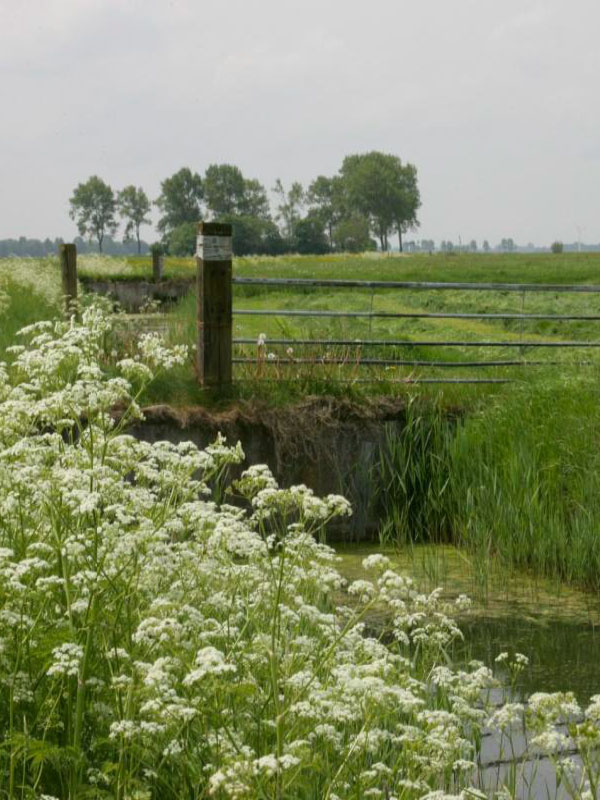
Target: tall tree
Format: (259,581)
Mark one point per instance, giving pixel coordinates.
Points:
(381,188)
(224,187)
(289,207)
(351,235)
(256,202)
(180,200)
(408,199)
(228,193)
(134,207)
(326,200)
(93,208)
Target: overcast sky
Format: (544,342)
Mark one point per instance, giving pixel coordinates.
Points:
(495,101)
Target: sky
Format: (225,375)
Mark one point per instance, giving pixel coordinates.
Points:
(494,101)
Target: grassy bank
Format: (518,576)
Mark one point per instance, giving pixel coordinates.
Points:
(516,480)
(510,267)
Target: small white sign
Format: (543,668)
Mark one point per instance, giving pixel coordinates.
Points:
(214,248)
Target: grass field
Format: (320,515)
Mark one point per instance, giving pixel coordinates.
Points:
(280,377)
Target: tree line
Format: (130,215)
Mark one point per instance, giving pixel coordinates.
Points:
(372,197)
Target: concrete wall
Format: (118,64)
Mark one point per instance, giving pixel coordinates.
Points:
(331,452)
(132,295)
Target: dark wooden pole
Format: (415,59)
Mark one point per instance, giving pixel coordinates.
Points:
(213,260)
(157,266)
(68,267)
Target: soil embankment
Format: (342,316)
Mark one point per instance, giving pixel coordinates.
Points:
(331,445)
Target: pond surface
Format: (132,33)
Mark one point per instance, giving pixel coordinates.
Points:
(557,627)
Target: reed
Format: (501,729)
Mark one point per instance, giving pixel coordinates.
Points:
(517,480)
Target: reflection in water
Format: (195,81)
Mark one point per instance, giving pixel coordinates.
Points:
(556,626)
(563,655)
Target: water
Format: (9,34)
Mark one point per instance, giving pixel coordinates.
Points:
(563,655)
(556,626)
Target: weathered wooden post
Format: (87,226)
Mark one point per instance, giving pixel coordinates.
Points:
(158,261)
(213,260)
(67,254)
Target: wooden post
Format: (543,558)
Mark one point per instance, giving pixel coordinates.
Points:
(213,260)
(157,266)
(68,267)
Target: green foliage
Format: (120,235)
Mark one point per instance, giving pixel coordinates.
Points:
(228,194)
(180,200)
(327,203)
(384,190)
(309,236)
(182,239)
(557,247)
(290,203)
(351,235)
(254,235)
(93,208)
(526,478)
(134,207)
(224,187)
(413,476)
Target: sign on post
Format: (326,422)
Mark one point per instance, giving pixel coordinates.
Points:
(67,254)
(214,316)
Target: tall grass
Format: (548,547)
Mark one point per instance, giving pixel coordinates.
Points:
(517,481)
(20,305)
(526,479)
(412,476)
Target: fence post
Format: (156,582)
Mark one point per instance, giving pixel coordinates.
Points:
(157,266)
(214,312)
(67,254)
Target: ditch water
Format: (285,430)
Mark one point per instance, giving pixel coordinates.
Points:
(557,627)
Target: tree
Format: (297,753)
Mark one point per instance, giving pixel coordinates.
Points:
(227,192)
(290,205)
(224,187)
(408,199)
(134,207)
(486,246)
(384,190)
(93,208)
(351,235)
(309,236)
(507,245)
(473,246)
(180,200)
(255,202)
(254,235)
(557,247)
(326,200)
(182,239)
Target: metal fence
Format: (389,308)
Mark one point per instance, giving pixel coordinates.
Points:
(522,344)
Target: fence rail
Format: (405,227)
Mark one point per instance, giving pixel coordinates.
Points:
(393,362)
(251,312)
(418,285)
(413,343)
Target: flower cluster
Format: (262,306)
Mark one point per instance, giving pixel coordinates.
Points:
(158,642)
